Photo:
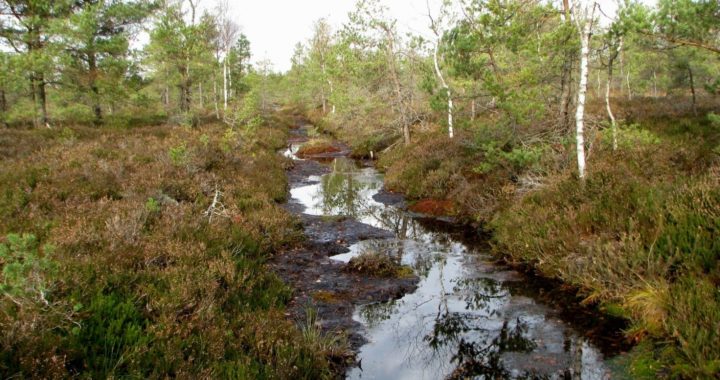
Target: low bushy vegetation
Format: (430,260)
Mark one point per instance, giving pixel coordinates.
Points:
(377,264)
(639,237)
(315,146)
(140,253)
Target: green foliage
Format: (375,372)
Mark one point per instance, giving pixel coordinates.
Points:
(27,268)
(694,319)
(152,206)
(688,22)
(230,140)
(95,38)
(632,137)
(518,159)
(178,154)
(205,140)
(67,135)
(715,123)
(113,338)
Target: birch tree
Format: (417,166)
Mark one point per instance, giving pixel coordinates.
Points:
(228,34)
(583,14)
(437,28)
(320,51)
(615,44)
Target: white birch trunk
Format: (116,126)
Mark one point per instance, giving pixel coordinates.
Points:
(627,80)
(331,94)
(654,84)
(584,25)
(225,83)
(447,89)
(582,91)
(613,125)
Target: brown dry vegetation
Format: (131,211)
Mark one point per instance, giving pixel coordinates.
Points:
(133,278)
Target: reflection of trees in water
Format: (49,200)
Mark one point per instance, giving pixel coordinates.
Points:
(341,194)
(478,292)
(464,337)
(422,259)
(462,340)
(375,313)
(480,358)
(340,190)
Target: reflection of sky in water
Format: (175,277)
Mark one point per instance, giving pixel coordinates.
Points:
(291,150)
(461,322)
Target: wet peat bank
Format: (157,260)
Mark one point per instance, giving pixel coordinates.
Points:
(461,314)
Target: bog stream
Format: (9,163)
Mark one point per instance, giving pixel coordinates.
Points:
(467,316)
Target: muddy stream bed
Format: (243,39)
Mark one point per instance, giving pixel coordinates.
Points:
(462,314)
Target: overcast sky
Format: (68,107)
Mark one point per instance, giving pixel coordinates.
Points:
(275,26)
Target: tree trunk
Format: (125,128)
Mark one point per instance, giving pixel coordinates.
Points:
(216,100)
(166,92)
(3,107)
(390,52)
(3,101)
(37,86)
(566,92)
(332,90)
(627,80)
(692,89)
(654,84)
(613,124)
(39,98)
(472,109)
(447,89)
(43,101)
(622,74)
(230,85)
(322,100)
(585,33)
(93,71)
(580,112)
(225,84)
(33,97)
(202,101)
(185,91)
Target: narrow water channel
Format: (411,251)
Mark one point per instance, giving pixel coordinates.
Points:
(469,317)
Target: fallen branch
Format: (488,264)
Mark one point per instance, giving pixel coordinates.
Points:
(217,208)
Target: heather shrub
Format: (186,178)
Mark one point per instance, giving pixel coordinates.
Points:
(145,279)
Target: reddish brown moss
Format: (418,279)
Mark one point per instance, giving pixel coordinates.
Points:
(436,207)
(317,147)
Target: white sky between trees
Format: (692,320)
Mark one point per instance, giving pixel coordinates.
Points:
(274,27)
